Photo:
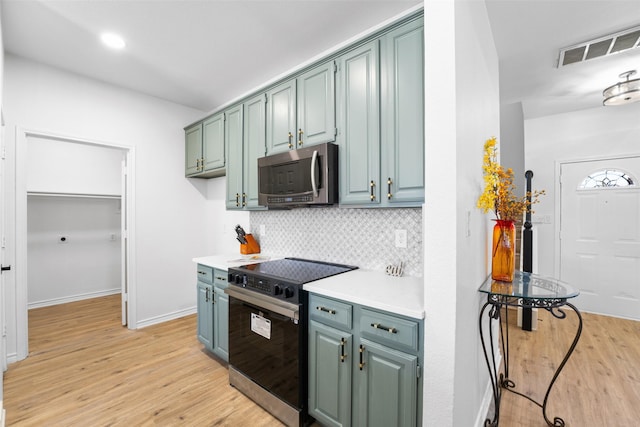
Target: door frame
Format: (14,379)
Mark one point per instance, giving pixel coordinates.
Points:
(558,199)
(22,338)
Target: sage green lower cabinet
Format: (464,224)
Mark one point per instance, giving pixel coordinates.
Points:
(364,365)
(221,321)
(387,386)
(330,370)
(205,314)
(213,311)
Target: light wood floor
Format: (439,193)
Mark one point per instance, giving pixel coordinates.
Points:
(600,384)
(85,369)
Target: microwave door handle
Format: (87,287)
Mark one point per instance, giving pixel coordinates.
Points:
(314,184)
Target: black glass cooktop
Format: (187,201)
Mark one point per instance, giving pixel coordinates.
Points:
(296,270)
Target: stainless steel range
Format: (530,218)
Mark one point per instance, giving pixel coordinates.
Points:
(268,333)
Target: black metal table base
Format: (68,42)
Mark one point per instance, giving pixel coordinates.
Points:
(500,381)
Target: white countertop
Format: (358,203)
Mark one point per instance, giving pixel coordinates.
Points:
(226,261)
(400,295)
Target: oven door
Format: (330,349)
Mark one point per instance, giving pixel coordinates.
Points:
(265,343)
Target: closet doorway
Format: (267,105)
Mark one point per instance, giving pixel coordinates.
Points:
(76,227)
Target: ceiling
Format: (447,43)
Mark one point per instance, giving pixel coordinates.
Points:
(529,34)
(199,53)
(203,54)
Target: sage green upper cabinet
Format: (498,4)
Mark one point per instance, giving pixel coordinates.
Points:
(301,111)
(233,143)
(403,115)
(358,111)
(381,120)
(245,140)
(204,148)
(255,123)
(193,149)
(317,105)
(281,117)
(213,142)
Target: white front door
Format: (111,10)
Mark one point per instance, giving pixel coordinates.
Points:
(600,234)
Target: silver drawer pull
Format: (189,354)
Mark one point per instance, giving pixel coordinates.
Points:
(326,310)
(224,279)
(385,328)
(202,272)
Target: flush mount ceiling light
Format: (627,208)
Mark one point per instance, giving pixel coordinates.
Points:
(624,92)
(113,41)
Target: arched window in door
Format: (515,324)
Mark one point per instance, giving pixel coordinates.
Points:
(607,178)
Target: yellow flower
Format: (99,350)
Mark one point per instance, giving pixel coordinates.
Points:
(499,187)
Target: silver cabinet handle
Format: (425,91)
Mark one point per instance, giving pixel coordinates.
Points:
(326,310)
(384,328)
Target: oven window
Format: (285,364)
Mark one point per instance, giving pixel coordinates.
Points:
(273,363)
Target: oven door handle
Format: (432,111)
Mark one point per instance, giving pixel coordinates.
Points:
(268,303)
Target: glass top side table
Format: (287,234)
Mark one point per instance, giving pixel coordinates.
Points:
(527,291)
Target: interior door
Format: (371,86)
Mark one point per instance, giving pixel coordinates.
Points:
(600,234)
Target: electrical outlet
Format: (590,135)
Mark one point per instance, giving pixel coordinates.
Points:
(262,230)
(401,238)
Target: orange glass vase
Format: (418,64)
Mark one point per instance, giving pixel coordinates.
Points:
(503,255)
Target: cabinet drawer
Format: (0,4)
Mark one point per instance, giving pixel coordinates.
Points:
(205,274)
(330,312)
(401,334)
(220,278)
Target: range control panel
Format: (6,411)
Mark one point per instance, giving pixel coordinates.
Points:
(264,285)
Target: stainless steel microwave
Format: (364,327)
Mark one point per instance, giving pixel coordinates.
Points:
(306,176)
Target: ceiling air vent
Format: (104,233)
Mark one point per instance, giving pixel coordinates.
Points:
(603,46)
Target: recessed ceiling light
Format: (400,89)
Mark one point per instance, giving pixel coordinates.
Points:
(112,40)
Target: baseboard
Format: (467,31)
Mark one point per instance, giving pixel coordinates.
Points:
(72,298)
(166,317)
(486,407)
(1,414)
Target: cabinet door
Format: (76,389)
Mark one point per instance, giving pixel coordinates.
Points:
(359,125)
(205,314)
(221,324)
(193,150)
(233,144)
(254,146)
(281,118)
(316,106)
(387,386)
(403,114)
(330,367)
(213,142)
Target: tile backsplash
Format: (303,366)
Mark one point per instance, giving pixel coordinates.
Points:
(362,237)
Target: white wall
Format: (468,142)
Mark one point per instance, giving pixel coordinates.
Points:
(462,110)
(87,263)
(219,233)
(63,167)
(512,143)
(586,134)
(169,209)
